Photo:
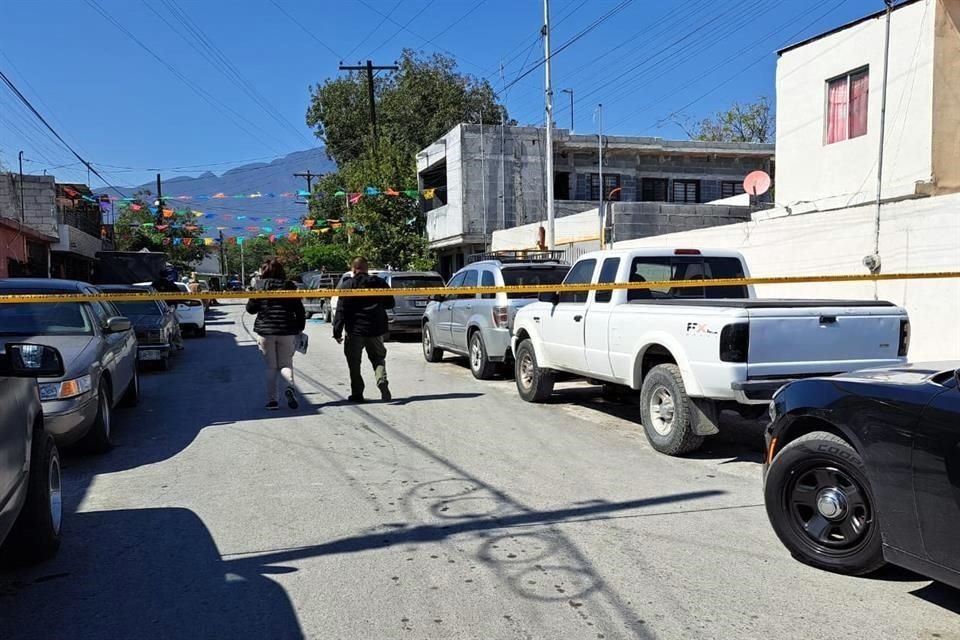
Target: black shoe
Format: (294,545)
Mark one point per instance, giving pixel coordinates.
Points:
(385,394)
(273,405)
(291,398)
(355,398)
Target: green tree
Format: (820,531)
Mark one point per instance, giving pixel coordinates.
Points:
(180,236)
(333,257)
(751,122)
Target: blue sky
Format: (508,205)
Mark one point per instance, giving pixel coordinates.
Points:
(129,111)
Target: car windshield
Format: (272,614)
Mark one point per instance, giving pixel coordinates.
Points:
(416,282)
(43,319)
(138,308)
(529,276)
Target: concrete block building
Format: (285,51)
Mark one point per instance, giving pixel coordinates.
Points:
(483,179)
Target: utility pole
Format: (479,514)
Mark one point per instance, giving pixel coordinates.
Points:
(873,262)
(223,259)
(570,91)
(159,201)
(483,184)
(548,91)
(370,68)
(600,164)
(309,177)
(503,181)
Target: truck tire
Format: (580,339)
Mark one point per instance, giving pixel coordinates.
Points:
(666,413)
(534,383)
(36,533)
(846,541)
(480,365)
(430,351)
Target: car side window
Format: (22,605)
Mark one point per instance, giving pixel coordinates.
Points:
(608,274)
(470,280)
(109,309)
(581,273)
(99,313)
(455,282)
(487,280)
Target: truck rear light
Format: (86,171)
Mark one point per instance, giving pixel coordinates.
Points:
(686,252)
(904,338)
(501,317)
(735,342)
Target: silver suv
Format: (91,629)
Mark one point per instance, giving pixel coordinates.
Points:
(479,325)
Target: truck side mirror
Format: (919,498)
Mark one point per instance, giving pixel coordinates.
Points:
(552,297)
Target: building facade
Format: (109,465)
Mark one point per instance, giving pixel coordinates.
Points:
(829,98)
(481,179)
(28,225)
(80,230)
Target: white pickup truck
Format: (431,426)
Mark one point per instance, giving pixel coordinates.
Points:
(692,352)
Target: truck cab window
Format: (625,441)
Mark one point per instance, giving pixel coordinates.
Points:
(581,273)
(608,274)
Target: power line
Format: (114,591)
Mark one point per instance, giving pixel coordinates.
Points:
(305,30)
(571,41)
(33,110)
(375,29)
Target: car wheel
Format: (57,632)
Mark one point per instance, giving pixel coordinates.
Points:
(99,438)
(821,505)
(36,534)
(480,365)
(534,384)
(430,351)
(665,412)
(131,396)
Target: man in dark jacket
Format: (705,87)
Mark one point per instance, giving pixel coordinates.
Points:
(365,321)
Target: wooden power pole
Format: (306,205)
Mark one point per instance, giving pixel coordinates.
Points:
(370,68)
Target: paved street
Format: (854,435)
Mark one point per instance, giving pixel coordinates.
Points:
(456,511)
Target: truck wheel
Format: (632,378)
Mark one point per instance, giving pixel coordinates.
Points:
(480,365)
(534,383)
(821,505)
(665,412)
(430,351)
(36,533)
(203,331)
(99,438)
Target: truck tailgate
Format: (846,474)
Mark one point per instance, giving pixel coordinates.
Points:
(802,341)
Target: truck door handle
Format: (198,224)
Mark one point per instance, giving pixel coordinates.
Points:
(469,306)
(577,318)
(828,319)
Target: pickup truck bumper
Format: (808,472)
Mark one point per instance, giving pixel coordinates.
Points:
(758,391)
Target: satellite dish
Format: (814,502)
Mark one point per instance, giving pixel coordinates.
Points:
(757,183)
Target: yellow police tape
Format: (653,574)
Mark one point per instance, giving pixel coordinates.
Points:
(444,291)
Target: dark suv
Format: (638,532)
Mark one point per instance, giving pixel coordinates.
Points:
(479,325)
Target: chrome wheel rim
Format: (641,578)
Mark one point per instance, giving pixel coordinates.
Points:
(526,371)
(663,411)
(427,341)
(476,354)
(105,412)
(55,494)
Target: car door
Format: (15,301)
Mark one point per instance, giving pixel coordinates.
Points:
(110,348)
(597,322)
(127,345)
(14,396)
(462,310)
(562,331)
(445,311)
(936,476)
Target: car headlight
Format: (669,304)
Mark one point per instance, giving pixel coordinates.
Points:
(66,389)
(773,412)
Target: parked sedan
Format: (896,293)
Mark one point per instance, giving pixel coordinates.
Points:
(31,502)
(155,324)
(191,314)
(864,468)
(99,350)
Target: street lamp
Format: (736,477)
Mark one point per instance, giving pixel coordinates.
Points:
(570,91)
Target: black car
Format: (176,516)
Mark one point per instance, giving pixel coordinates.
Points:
(154,322)
(864,469)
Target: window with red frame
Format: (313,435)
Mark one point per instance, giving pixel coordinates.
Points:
(848,99)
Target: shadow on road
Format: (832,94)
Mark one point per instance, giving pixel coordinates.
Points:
(145,573)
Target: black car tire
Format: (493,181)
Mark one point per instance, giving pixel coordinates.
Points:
(430,351)
(670,427)
(480,365)
(824,456)
(99,438)
(534,383)
(36,533)
(131,397)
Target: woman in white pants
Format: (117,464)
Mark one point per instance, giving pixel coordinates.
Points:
(279,323)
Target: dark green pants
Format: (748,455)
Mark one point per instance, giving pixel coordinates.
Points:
(353,348)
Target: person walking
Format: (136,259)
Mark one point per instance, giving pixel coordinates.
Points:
(364,319)
(279,323)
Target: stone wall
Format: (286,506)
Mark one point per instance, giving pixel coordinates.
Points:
(39,200)
(633,220)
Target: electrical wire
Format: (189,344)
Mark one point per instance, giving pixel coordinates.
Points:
(305,30)
(383,20)
(36,113)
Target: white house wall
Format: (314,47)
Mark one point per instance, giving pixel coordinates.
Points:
(844,173)
(915,235)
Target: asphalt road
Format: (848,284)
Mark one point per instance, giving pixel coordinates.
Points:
(456,511)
